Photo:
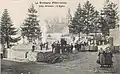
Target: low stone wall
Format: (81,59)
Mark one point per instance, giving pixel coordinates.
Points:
(15,54)
(21,55)
(89,48)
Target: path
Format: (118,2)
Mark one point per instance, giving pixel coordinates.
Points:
(86,64)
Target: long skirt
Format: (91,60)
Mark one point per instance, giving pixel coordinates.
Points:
(108,60)
(102,59)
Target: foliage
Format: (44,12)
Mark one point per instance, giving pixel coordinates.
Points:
(77,21)
(83,20)
(90,14)
(110,14)
(102,25)
(108,18)
(8,30)
(31,27)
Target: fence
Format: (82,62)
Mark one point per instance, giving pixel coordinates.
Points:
(89,48)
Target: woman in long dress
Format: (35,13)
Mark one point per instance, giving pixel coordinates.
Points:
(108,57)
(102,57)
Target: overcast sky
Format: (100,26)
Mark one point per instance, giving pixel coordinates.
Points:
(18,9)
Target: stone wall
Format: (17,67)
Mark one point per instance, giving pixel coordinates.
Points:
(13,54)
(21,55)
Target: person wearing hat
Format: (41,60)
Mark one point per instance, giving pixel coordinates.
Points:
(108,57)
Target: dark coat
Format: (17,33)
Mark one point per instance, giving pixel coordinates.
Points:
(108,58)
(102,58)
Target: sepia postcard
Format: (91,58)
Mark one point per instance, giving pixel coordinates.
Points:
(59,37)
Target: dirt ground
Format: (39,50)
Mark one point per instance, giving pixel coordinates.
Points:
(84,64)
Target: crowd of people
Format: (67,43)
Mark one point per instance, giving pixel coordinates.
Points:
(40,46)
(63,46)
(105,57)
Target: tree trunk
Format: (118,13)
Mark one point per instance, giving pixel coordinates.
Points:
(7,41)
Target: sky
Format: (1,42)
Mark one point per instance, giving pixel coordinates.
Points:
(18,9)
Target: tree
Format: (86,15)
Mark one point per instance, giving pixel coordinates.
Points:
(83,21)
(110,14)
(108,18)
(8,31)
(102,25)
(77,21)
(31,28)
(90,14)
